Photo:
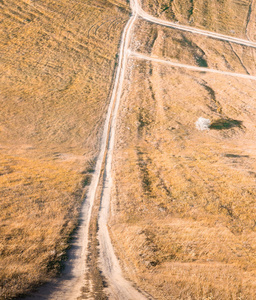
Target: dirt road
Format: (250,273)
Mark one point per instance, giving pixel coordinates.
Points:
(70,284)
(72,280)
(119,288)
(140,12)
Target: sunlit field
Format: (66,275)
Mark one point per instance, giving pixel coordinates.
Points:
(57,65)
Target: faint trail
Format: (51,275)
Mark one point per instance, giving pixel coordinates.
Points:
(137,55)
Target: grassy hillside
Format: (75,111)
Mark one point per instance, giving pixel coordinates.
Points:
(184,199)
(57,65)
(193,49)
(232,17)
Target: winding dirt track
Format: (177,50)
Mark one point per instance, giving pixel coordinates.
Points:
(69,286)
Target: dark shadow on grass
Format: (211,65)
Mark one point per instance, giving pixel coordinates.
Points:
(222,124)
(236,156)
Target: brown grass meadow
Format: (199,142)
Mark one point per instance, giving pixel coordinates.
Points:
(57,65)
(184,199)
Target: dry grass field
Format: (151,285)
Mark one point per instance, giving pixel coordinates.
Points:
(57,64)
(183,215)
(184,199)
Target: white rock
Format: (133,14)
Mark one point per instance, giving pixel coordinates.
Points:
(203,124)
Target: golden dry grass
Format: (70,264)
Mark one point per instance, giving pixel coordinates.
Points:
(57,65)
(39,205)
(184,200)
